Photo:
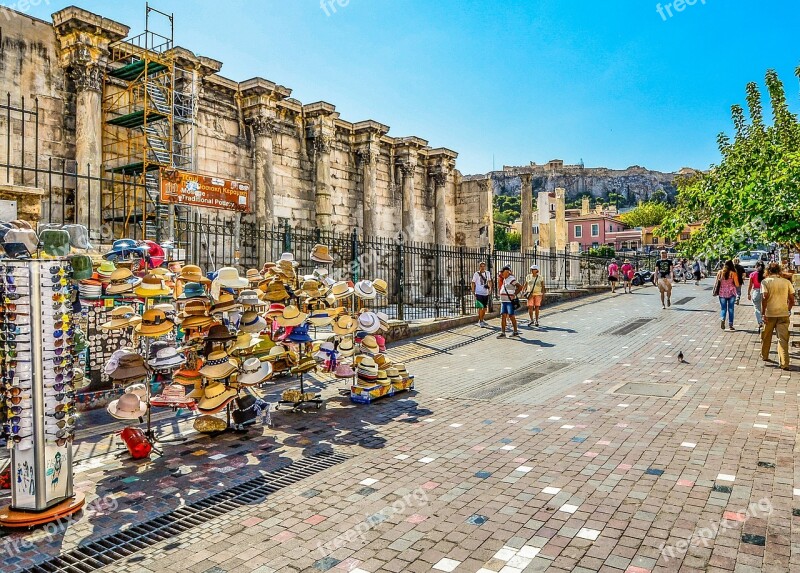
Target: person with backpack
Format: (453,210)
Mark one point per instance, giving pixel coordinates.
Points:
(534,291)
(508,288)
(726,288)
(482,289)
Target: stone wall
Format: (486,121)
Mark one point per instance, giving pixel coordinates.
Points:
(474,220)
(306,164)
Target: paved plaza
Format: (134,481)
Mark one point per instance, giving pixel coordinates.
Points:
(584,446)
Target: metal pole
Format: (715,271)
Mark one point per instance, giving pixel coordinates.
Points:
(400,277)
(462,285)
(37,384)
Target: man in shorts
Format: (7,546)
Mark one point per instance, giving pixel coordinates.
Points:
(627,275)
(482,289)
(663,275)
(534,292)
(509,288)
(613,275)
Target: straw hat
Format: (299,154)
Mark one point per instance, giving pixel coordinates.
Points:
(393,374)
(344,325)
(253,276)
(275,309)
(121,317)
(346,347)
(154,323)
(225,303)
(383,378)
(344,371)
(274,290)
(250,297)
(321,254)
(138,389)
(218,366)
(193,273)
(220,333)
(122,281)
(287,258)
(152,286)
(254,371)
(197,321)
(307,364)
(320,318)
(365,290)
(291,316)
(172,395)
(106,269)
(215,396)
(194,307)
(187,377)
(229,278)
(262,347)
(380,286)
(341,290)
(251,322)
(129,366)
(368,344)
(127,407)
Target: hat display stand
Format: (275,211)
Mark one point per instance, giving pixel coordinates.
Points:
(41,461)
(298,401)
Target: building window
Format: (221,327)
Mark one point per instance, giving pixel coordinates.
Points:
(684,236)
(595,230)
(655,240)
(578,231)
(595,245)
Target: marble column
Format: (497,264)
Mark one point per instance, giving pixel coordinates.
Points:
(561,221)
(322,182)
(407,170)
(368,156)
(526,200)
(439,179)
(264,169)
(487,210)
(88,79)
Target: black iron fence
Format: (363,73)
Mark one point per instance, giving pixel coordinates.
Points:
(425,281)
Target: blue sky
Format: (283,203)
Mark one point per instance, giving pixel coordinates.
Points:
(610,82)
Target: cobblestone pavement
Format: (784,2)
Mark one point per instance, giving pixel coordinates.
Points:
(584,446)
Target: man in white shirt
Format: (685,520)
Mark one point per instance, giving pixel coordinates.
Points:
(508,288)
(482,289)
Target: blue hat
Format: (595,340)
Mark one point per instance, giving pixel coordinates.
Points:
(123,247)
(300,334)
(193,290)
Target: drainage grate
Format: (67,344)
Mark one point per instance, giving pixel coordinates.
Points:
(512,382)
(683,300)
(108,550)
(628,328)
(649,389)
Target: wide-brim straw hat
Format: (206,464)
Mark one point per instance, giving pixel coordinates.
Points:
(253,276)
(274,290)
(345,325)
(320,318)
(197,321)
(121,317)
(229,277)
(275,309)
(254,371)
(218,366)
(154,323)
(291,316)
(346,348)
(220,333)
(252,322)
(167,358)
(369,344)
(214,396)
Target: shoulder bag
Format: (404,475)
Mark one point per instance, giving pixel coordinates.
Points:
(715,291)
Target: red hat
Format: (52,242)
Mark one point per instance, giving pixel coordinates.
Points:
(155,254)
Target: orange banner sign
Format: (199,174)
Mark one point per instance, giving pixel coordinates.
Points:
(183,188)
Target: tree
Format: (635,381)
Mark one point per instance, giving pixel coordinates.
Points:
(647,214)
(753,195)
(505,239)
(603,251)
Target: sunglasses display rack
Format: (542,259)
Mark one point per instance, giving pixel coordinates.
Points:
(37,367)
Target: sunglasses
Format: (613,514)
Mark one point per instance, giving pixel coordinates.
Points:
(16,410)
(60,424)
(59,350)
(13,391)
(59,378)
(16,400)
(56,270)
(18,439)
(63,395)
(61,442)
(59,415)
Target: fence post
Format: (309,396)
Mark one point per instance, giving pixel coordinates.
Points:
(436,279)
(462,284)
(287,237)
(354,263)
(566,267)
(400,278)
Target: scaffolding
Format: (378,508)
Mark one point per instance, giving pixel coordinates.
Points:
(149,112)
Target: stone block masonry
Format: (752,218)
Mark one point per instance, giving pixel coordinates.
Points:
(306,164)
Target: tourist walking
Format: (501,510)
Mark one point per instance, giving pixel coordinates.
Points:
(627,275)
(663,278)
(777,300)
(740,272)
(534,291)
(613,275)
(725,288)
(482,289)
(754,292)
(697,269)
(509,289)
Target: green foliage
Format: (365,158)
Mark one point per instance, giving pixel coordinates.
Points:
(753,195)
(603,251)
(647,214)
(506,239)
